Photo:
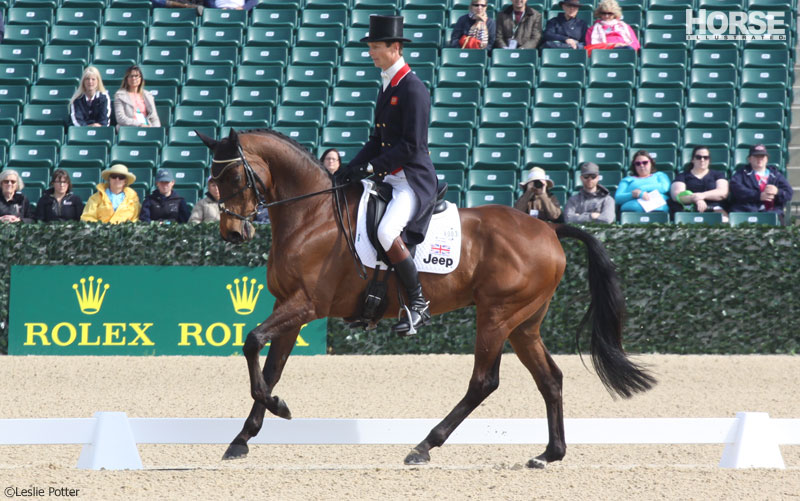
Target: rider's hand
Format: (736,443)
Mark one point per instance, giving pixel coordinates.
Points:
(351,173)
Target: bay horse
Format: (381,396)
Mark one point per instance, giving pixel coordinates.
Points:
(510,266)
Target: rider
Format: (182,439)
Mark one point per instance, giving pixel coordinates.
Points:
(397,152)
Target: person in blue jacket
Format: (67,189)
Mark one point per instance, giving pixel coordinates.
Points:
(90,105)
(566,31)
(397,152)
(475,23)
(164,205)
(641,185)
(759,187)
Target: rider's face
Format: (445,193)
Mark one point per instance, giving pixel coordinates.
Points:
(384,57)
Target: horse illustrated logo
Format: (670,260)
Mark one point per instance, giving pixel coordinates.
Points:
(91,300)
(244,301)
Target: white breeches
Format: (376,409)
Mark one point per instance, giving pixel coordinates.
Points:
(400,210)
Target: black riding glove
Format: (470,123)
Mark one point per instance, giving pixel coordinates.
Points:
(351,173)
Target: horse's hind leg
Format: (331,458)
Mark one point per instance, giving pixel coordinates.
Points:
(276,360)
(530,349)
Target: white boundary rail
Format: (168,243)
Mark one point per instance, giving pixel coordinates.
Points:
(110,439)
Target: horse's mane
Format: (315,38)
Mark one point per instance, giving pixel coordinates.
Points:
(297,146)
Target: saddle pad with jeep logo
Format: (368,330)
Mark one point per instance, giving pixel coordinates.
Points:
(439,253)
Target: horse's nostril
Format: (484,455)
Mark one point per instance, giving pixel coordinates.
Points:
(234,237)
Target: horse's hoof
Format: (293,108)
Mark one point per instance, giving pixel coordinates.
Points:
(280,409)
(536,464)
(236,451)
(416,458)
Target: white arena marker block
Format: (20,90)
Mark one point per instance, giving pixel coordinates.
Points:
(113,446)
(755,444)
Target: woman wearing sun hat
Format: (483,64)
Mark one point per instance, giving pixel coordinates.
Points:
(537,200)
(114,201)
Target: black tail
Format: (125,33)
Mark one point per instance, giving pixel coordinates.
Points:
(607,315)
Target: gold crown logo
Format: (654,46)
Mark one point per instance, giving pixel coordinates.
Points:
(244,301)
(90,301)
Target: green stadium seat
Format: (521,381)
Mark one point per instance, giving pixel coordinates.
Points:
(25,34)
(141,136)
(565,116)
(331,36)
(318,18)
(706,137)
(424,37)
(765,77)
(254,96)
(264,56)
(563,58)
(301,76)
(514,57)
(224,18)
(461,77)
(657,38)
(83,176)
(478,198)
(174,17)
(762,218)
(178,36)
(561,77)
(327,4)
(206,55)
(501,136)
(44,114)
(59,74)
(76,17)
(356,56)
(84,156)
(189,194)
(665,18)
(752,97)
(285,18)
(127,17)
(463,116)
(52,135)
(606,158)
(302,116)
(17,54)
(124,35)
(464,58)
(454,178)
(344,136)
(712,98)
(516,116)
(83,192)
(561,182)
(655,217)
(599,137)
(304,96)
(269,36)
(259,76)
(703,218)
(665,117)
(253,117)
(663,58)
(112,75)
(185,157)
(35,177)
(165,54)
(115,54)
(453,96)
(220,37)
(608,97)
(450,136)
(666,97)
(624,77)
(6,139)
(9,114)
(162,74)
(666,158)
(191,178)
(358,76)
(90,135)
(32,193)
(325,56)
(720,4)
(16,74)
(772,139)
(720,158)
(349,116)
(662,77)
(360,18)
(713,77)
(705,117)
(498,96)
(417,18)
(353,38)
(713,58)
(557,97)
(509,77)
(451,159)
(753,58)
(606,117)
(478,179)
(548,158)
(544,136)
(307,136)
(73,35)
(646,138)
(144,178)
(32,155)
(354,96)
(29,16)
(134,156)
(209,74)
(164,95)
(188,115)
(614,59)
(187,136)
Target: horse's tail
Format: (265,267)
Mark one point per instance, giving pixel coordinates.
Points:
(607,314)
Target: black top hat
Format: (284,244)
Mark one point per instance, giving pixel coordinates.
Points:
(385,29)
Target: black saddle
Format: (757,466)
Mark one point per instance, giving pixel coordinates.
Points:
(380,195)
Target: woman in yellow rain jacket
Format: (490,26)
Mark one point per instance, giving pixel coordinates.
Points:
(114,202)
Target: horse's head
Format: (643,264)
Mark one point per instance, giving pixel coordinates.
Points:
(243,181)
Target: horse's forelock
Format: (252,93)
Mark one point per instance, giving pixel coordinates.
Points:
(225,150)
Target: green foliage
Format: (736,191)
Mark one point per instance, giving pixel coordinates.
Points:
(688,289)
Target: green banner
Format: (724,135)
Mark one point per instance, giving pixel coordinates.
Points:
(142,310)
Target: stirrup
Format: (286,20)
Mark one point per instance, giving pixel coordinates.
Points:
(424,316)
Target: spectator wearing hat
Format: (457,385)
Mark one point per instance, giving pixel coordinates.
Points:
(518,26)
(593,203)
(14,205)
(164,205)
(207,209)
(474,30)
(58,203)
(566,31)
(114,202)
(759,187)
(537,199)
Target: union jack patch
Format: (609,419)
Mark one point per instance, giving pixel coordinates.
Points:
(393,101)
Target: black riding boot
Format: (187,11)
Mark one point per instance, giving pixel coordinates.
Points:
(417,312)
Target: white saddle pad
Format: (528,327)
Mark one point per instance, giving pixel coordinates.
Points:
(439,253)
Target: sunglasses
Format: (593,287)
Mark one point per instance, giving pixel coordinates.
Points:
(589,176)
(606,13)
(702,157)
(119,177)
(641,162)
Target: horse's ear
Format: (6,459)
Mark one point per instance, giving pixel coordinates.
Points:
(233,137)
(208,141)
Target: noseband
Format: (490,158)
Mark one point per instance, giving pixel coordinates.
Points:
(252,179)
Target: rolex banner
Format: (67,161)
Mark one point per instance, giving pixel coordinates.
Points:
(142,310)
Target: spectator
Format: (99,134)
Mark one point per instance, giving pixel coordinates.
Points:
(566,31)
(758,187)
(164,205)
(699,188)
(231,4)
(537,200)
(207,209)
(518,26)
(191,4)
(593,203)
(115,202)
(58,203)
(90,105)
(610,31)
(474,30)
(331,160)
(14,206)
(644,184)
(134,106)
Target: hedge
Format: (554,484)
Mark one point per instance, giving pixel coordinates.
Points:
(689,289)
